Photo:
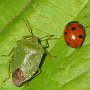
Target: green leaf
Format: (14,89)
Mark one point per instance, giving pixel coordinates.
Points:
(71,68)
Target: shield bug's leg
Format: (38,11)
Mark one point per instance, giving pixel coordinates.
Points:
(46,46)
(27,83)
(9,53)
(8,73)
(38,72)
(48,37)
(52,57)
(24,37)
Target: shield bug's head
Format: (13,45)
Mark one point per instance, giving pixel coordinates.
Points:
(18,77)
(31,37)
(34,39)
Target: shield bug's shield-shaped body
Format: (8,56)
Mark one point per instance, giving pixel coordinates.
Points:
(26,58)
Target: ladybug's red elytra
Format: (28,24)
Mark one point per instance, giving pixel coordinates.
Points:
(74,34)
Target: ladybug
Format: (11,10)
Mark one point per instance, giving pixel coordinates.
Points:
(74,34)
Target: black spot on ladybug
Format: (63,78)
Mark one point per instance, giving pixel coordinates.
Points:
(65,33)
(67,43)
(80,36)
(73,28)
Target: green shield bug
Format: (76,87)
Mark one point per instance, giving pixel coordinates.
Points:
(26,57)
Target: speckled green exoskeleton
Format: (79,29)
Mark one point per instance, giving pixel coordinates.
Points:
(26,57)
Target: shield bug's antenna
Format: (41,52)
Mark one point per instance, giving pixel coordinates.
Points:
(48,37)
(28,26)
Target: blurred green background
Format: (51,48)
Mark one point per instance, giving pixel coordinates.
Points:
(71,68)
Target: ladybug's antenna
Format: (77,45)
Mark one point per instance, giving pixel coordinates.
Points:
(28,26)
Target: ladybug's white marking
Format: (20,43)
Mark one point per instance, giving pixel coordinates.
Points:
(73,37)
